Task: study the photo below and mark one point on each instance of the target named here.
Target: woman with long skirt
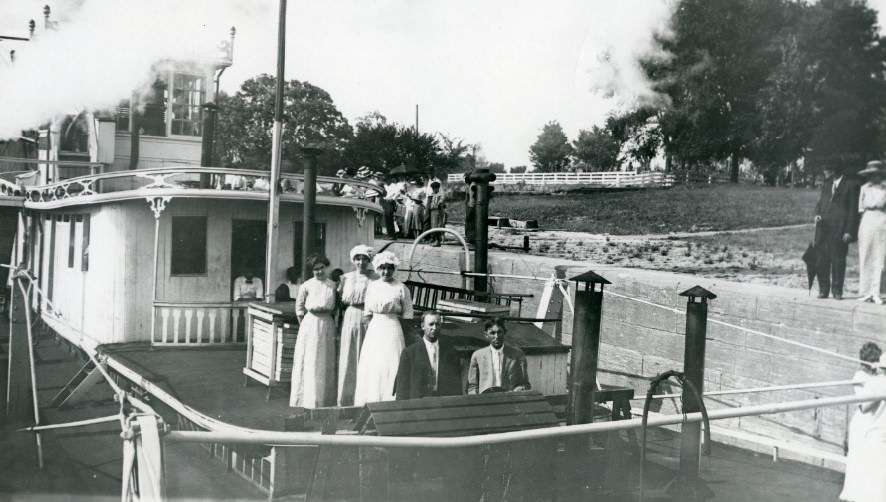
(352, 289)
(312, 364)
(855, 481)
(872, 232)
(388, 304)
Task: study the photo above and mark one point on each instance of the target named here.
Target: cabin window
(72, 232)
(187, 97)
(319, 243)
(188, 256)
(166, 110)
(84, 249)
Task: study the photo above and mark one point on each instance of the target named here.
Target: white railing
(206, 179)
(194, 323)
(604, 178)
(9, 188)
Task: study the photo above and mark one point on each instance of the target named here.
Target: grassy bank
(678, 209)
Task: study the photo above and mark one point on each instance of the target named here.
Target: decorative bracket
(360, 214)
(158, 204)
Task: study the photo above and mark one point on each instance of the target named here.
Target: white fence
(614, 179)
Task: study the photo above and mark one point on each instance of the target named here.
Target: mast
(276, 154)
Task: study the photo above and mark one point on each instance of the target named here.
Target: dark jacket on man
(415, 378)
(838, 209)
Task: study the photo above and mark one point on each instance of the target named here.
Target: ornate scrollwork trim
(158, 204)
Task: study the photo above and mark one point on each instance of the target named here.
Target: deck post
(482, 177)
(585, 347)
(310, 203)
(276, 159)
(687, 486)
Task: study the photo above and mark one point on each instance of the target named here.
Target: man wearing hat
(872, 231)
(836, 217)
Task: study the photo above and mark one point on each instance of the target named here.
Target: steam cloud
(625, 33)
(102, 50)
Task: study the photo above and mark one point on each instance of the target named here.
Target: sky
(491, 72)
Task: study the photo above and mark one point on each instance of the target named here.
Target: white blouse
(872, 196)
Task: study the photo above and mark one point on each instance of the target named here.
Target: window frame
(168, 106)
(174, 249)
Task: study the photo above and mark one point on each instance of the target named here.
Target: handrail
(301, 438)
(61, 163)
(159, 303)
(771, 388)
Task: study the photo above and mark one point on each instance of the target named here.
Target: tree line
(777, 82)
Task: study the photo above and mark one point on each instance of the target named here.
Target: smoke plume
(99, 51)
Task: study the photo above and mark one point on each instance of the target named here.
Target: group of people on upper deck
(847, 211)
(371, 311)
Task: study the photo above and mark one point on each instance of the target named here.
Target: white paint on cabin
(111, 302)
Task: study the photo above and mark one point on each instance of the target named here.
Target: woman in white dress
(312, 364)
(387, 305)
(872, 231)
(855, 480)
(352, 290)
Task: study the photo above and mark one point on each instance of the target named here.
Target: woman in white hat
(388, 303)
(872, 231)
(352, 289)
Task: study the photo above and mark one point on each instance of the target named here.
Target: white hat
(362, 249)
(385, 258)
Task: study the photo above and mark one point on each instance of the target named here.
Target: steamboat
(126, 247)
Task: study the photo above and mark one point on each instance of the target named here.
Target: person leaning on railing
(868, 483)
(854, 482)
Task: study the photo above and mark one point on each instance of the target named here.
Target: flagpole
(276, 154)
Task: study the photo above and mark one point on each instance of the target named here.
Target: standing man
(836, 219)
(499, 367)
(429, 367)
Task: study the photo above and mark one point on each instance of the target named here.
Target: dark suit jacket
(513, 370)
(415, 378)
(839, 212)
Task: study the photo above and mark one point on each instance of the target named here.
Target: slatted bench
(458, 415)
(425, 296)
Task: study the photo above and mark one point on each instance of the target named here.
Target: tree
(597, 149)
(246, 119)
(551, 151)
(517, 169)
(496, 167)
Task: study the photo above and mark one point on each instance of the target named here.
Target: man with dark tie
(248, 287)
(498, 367)
(836, 219)
(429, 367)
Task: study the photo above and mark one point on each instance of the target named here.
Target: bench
(425, 296)
(458, 415)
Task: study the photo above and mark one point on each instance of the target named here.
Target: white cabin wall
(155, 151)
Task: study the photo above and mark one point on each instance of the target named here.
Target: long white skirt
(379, 358)
(312, 362)
(871, 251)
(856, 481)
(352, 331)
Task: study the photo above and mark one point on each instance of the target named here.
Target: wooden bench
(458, 415)
(425, 296)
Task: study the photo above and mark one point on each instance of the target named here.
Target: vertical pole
(585, 349)
(12, 347)
(693, 368)
(31, 361)
(310, 203)
(482, 177)
(154, 277)
(687, 485)
(276, 153)
(209, 114)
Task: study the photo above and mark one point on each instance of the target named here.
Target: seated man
(498, 366)
(429, 367)
(248, 287)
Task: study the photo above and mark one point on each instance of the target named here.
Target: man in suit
(836, 219)
(429, 367)
(498, 366)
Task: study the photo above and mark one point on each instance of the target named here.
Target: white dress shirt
(497, 356)
(434, 357)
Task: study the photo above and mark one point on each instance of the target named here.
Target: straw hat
(873, 167)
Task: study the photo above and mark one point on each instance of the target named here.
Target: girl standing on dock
(388, 304)
(312, 364)
(353, 292)
(872, 232)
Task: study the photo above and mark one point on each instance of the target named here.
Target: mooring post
(585, 347)
(688, 486)
(482, 177)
